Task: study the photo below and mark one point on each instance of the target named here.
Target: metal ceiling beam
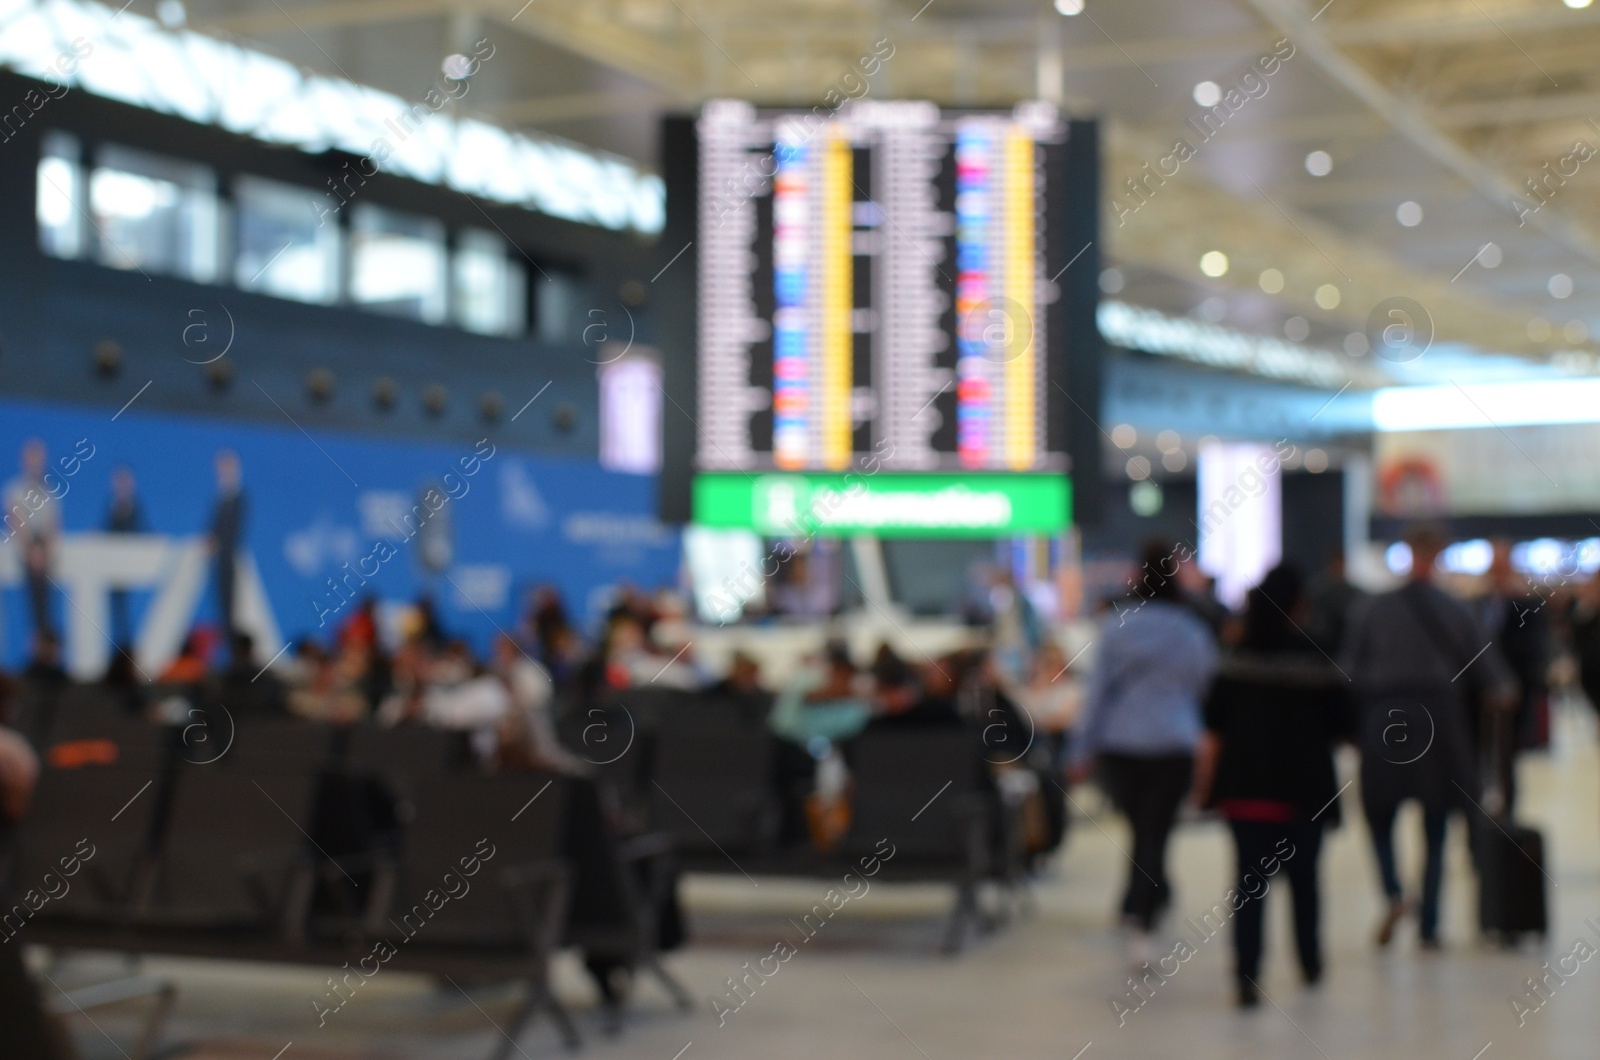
(1187, 216)
(1455, 23)
(1413, 121)
(1523, 110)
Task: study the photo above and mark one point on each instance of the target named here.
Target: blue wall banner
(329, 517)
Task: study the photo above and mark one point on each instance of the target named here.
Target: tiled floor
(872, 984)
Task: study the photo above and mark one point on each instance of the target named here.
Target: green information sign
(797, 504)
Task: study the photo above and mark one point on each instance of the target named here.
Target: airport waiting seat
(272, 745)
(86, 845)
(92, 726)
(623, 908)
(712, 786)
(407, 756)
(235, 856)
(926, 792)
(481, 887)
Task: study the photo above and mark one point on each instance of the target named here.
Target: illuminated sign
(894, 505)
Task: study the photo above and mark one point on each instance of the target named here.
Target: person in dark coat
(1423, 667)
(1266, 764)
(227, 533)
(1520, 625)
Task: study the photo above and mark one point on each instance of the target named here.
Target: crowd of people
(1183, 699)
(1242, 714)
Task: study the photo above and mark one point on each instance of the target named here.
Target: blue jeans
(1380, 820)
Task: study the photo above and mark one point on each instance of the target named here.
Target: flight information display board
(876, 291)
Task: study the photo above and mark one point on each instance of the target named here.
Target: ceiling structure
(1453, 106)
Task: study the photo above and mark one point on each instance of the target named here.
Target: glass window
(557, 299)
(154, 214)
(489, 285)
(59, 198)
(397, 264)
(288, 245)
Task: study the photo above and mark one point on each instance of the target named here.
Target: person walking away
(1517, 620)
(1422, 666)
(1266, 764)
(1141, 724)
(227, 532)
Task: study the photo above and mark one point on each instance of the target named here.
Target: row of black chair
(308, 844)
(712, 775)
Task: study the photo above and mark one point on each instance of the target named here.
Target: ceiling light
(457, 67)
(1175, 460)
(1527, 403)
(1207, 94)
(171, 13)
(1328, 296)
(1111, 281)
(1214, 263)
(1576, 4)
(1123, 435)
(1297, 329)
(1167, 441)
(1319, 163)
(1490, 256)
(1139, 468)
(1316, 461)
(1409, 214)
(1070, 7)
(1271, 281)
(1560, 285)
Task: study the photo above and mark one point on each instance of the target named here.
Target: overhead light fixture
(1214, 263)
(458, 67)
(1207, 94)
(1328, 296)
(1490, 256)
(1560, 286)
(1577, 4)
(1409, 214)
(1529, 403)
(1069, 7)
(1319, 163)
(1297, 329)
(1112, 281)
(1271, 281)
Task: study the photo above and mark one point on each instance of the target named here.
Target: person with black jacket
(1273, 716)
(1423, 668)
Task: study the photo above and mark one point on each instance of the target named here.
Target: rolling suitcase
(1510, 856)
(1511, 899)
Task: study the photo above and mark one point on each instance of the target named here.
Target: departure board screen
(876, 286)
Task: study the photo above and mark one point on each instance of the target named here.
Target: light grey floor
(872, 985)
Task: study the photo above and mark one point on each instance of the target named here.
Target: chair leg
(558, 1012)
(680, 993)
(165, 999)
(965, 907)
(538, 997)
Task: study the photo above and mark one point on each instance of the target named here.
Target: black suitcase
(1511, 899)
(1510, 856)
